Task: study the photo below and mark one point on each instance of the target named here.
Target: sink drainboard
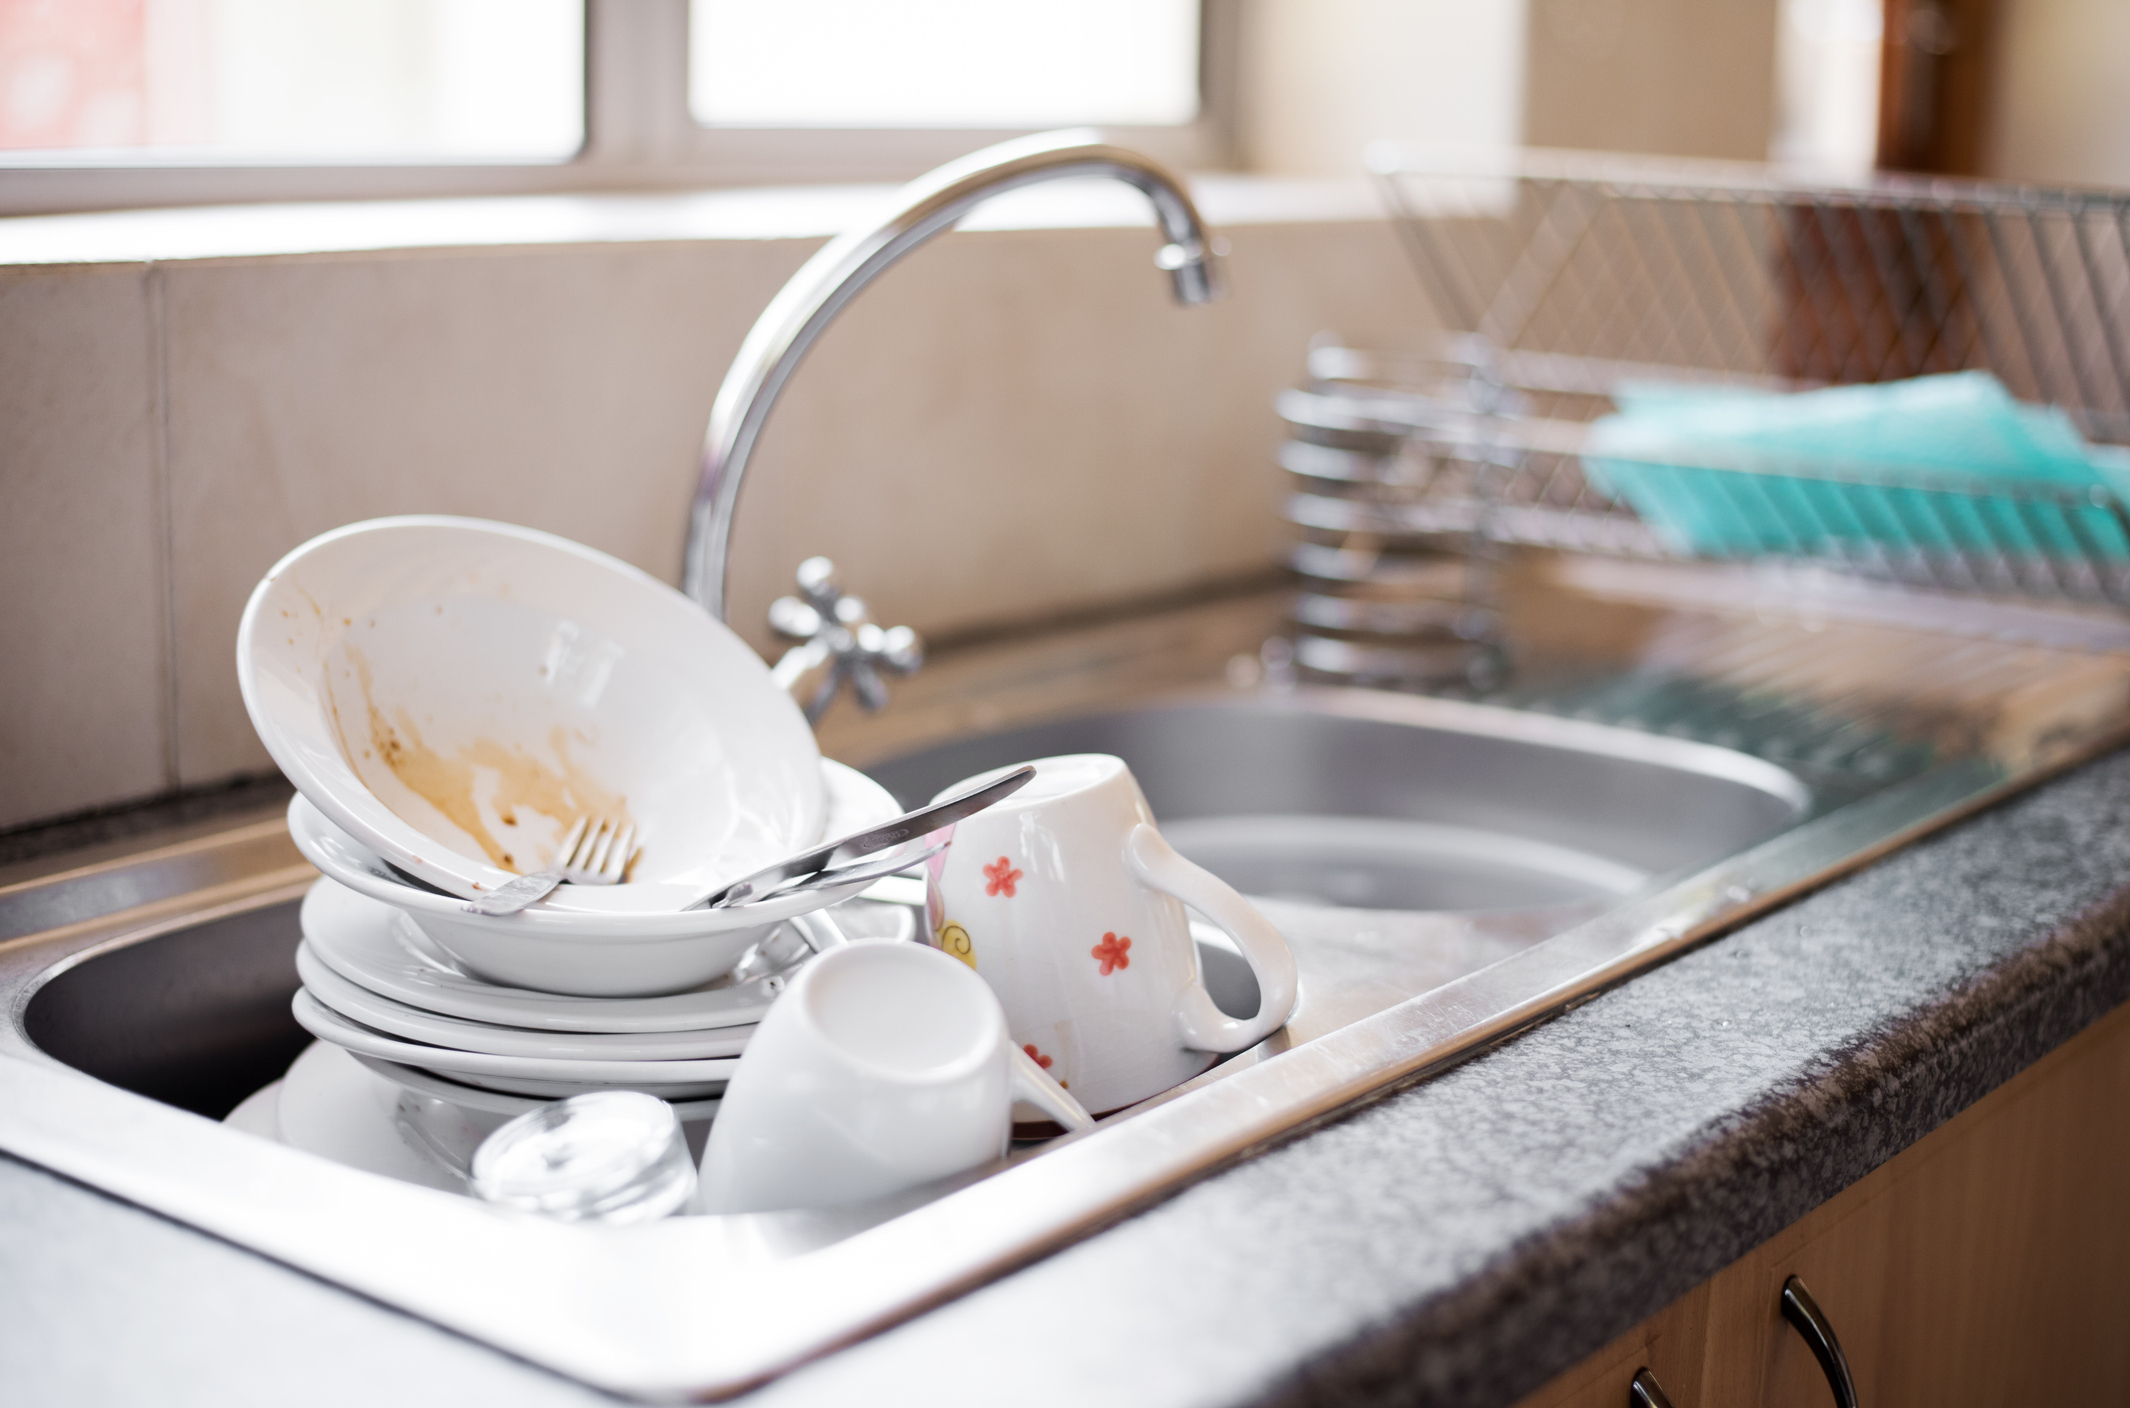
(1561, 856)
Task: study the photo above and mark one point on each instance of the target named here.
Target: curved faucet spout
(809, 303)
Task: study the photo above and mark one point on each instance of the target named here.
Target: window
(942, 63)
(153, 102)
(342, 80)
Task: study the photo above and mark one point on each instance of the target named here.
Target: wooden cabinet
(1988, 1264)
(1751, 1356)
(1669, 1343)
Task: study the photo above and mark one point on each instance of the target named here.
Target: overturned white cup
(882, 1067)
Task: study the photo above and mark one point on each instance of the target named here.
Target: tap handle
(794, 619)
(901, 650)
(839, 644)
(817, 584)
(819, 602)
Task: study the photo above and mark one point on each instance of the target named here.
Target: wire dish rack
(1561, 278)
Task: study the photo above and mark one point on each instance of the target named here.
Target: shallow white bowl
(453, 693)
(551, 949)
(381, 948)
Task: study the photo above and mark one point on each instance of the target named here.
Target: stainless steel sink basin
(1465, 833)
(1384, 801)
(197, 1018)
(1448, 873)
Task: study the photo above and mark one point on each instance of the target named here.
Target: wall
(2060, 109)
(1320, 79)
(1015, 422)
(1323, 78)
(1673, 77)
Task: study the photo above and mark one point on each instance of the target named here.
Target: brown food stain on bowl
(524, 783)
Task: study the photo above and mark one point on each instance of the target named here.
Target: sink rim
(624, 1310)
(1514, 726)
(1426, 711)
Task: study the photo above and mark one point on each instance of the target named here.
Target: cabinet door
(2008, 1267)
(1754, 1358)
(1668, 1344)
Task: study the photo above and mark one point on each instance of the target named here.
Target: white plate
(587, 955)
(378, 947)
(330, 1106)
(693, 1113)
(359, 1004)
(260, 1113)
(452, 692)
(327, 1025)
(562, 1089)
(393, 1120)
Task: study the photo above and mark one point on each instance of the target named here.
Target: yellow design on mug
(954, 940)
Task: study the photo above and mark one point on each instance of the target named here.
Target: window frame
(639, 135)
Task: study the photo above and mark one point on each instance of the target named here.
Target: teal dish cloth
(1934, 464)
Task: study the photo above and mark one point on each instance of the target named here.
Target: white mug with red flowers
(1065, 899)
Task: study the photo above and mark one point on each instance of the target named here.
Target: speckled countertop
(1457, 1242)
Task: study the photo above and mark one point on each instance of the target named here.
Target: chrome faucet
(805, 307)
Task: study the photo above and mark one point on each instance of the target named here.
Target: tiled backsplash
(1012, 423)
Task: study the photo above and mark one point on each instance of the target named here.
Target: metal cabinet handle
(1646, 1392)
(1810, 1321)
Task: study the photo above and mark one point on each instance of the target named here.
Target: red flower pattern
(1038, 1057)
(999, 877)
(1113, 953)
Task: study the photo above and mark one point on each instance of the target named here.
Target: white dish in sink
(694, 1113)
(392, 1120)
(372, 944)
(680, 1077)
(332, 1107)
(358, 1004)
(453, 693)
(561, 951)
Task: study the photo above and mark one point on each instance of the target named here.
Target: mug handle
(1204, 1026)
(1041, 1089)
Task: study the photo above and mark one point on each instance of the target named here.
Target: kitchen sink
(1329, 800)
(1447, 873)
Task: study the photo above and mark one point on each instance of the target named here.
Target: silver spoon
(837, 855)
(875, 869)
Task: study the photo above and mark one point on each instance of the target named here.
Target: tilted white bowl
(452, 693)
(558, 950)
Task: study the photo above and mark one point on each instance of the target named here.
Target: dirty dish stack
(378, 983)
(450, 695)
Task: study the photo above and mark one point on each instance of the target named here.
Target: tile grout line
(159, 373)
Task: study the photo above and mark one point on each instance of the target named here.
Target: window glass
(343, 80)
(943, 63)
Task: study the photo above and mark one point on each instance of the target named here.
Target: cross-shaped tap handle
(839, 644)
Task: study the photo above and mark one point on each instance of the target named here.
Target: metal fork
(596, 851)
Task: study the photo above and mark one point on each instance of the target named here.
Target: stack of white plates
(384, 979)
(375, 986)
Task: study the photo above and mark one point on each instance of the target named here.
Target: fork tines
(596, 852)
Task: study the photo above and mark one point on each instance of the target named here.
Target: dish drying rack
(1557, 277)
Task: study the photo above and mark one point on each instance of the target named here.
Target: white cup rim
(1056, 779)
(991, 1020)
